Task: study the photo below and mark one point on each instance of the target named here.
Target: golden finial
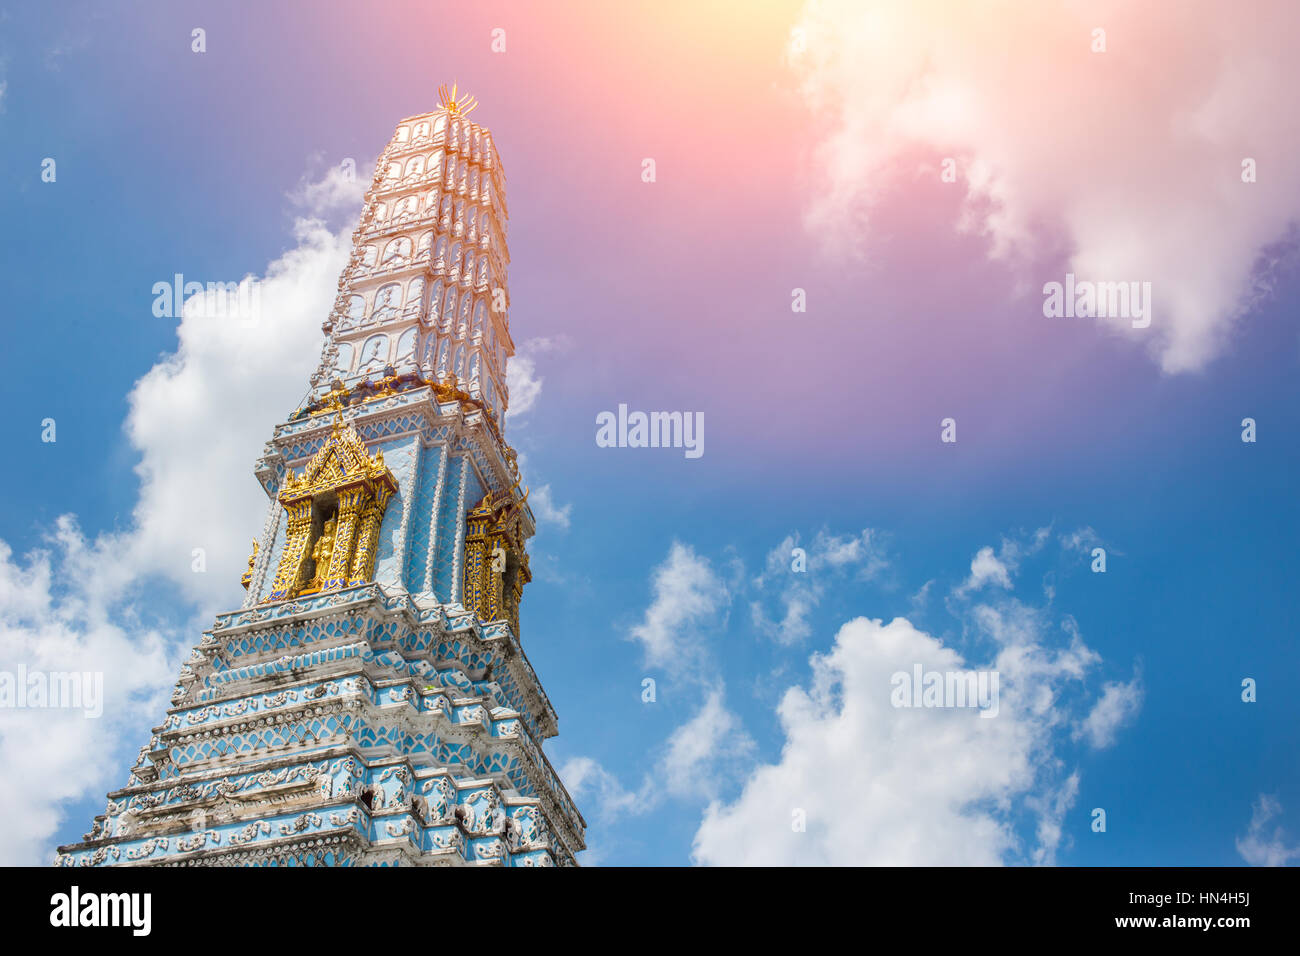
(453, 104)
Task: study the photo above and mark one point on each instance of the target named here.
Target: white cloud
(1051, 808)
(1081, 539)
(547, 344)
(523, 383)
(828, 558)
(544, 506)
(794, 626)
(922, 597)
(585, 778)
(1261, 848)
(1035, 122)
(712, 747)
(946, 786)
(827, 551)
(987, 568)
(706, 751)
(687, 596)
(838, 551)
(1118, 705)
(341, 188)
(58, 614)
(522, 380)
(895, 786)
(200, 417)
(542, 500)
(699, 757)
(1017, 630)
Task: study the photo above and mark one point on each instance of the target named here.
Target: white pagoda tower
(371, 702)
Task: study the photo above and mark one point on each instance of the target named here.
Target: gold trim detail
(335, 509)
(247, 577)
(448, 390)
(496, 564)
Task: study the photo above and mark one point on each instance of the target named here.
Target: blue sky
(822, 431)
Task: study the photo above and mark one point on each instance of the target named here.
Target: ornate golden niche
(334, 508)
(496, 564)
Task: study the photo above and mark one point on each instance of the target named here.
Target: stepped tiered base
(361, 727)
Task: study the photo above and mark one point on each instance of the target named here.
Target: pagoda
(370, 703)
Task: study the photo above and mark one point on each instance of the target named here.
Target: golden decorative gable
(335, 509)
(496, 564)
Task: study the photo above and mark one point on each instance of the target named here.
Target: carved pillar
(352, 503)
(363, 562)
(478, 569)
(289, 577)
(521, 577)
(497, 563)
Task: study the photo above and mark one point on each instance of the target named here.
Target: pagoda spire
(371, 701)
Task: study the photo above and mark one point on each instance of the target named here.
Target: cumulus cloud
(687, 596)
(200, 417)
(1132, 157)
(61, 612)
(946, 786)
(1260, 847)
(198, 420)
(939, 786)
